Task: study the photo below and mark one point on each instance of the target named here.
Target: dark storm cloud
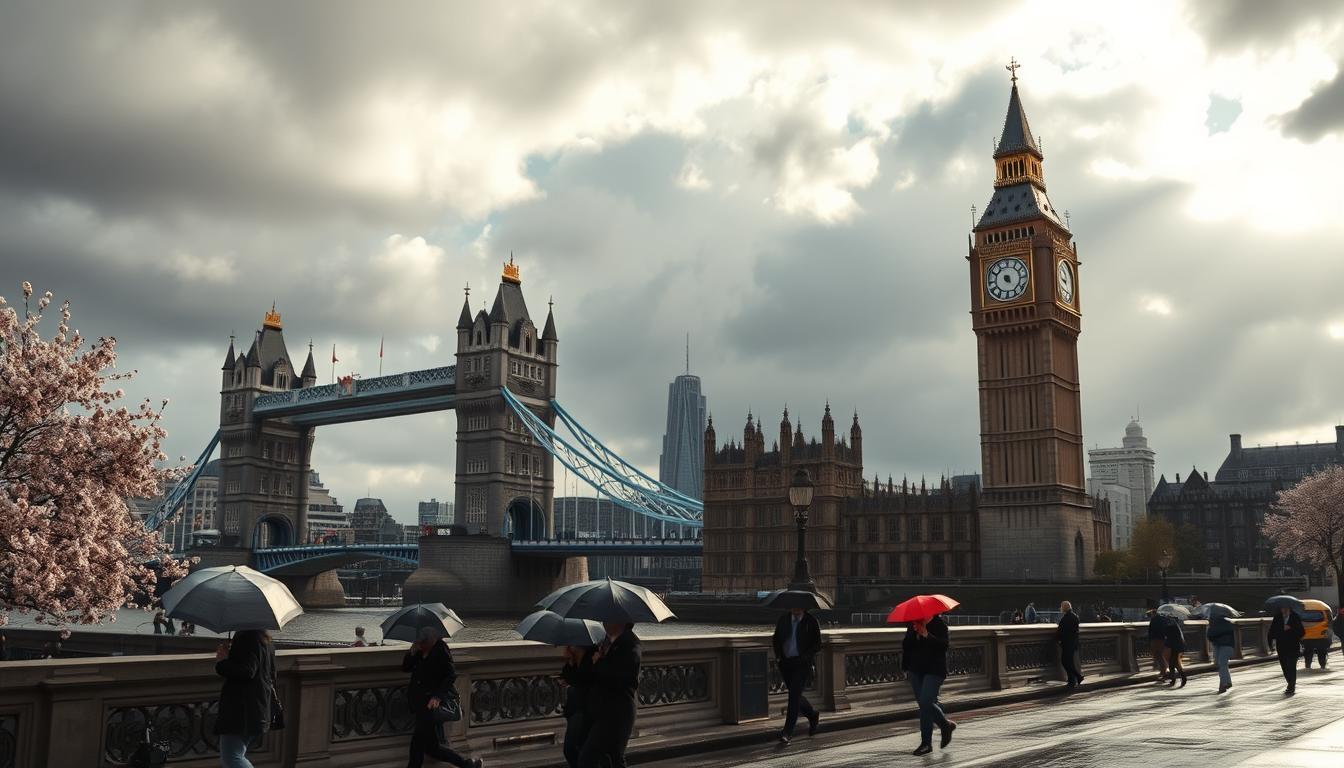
(1234, 24)
(1321, 113)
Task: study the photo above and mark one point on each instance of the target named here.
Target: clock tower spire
(1026, 314)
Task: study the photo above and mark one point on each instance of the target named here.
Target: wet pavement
(1147, 725)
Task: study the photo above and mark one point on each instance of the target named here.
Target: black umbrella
(1280, 601)
(407, 623)
(798, 598)
(607, 600)
(553, 629)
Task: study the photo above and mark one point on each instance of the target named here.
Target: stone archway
(526, 520)
(272, 531)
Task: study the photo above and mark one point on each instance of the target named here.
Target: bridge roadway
(1254, 724)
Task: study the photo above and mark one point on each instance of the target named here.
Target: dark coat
(1157, 627)
(613, 681)
(809, 635)
(1221, 632)
(577, 680)
(1174, 637)
(432, 676)
(1067, 631)
(926, 655)
(1288, 640)
(249, 677)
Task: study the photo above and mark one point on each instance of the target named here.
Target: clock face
(1066, 282)
(1006, 279)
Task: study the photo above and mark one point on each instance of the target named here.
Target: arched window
(527, 341)
(478, 337)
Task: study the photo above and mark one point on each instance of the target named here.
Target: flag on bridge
(380, 355)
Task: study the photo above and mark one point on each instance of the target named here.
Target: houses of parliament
(1027, 515)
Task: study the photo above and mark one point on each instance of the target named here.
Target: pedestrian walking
(1157, 646)
(1067, 635)
(613, 684)
(4, 647)
(360, 642)
(432, 684)
(247, 664)
(160, 623)
(576, 675)
(1017, 617)
(1029, 615)
(1174, 640)
(924, 659)
(797, 640)
(1285, 637)
(1223, 637)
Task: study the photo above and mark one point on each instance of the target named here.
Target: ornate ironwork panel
(275, 398)
(318, 393)
(673, 684)
(362, 713)
(515, 698)
(1024, 656)
(966, 661)
(187, 727)
(873, 668)
(380, 384)
(777, 680)
(1097, 651)
(9, 740)
(431, 375)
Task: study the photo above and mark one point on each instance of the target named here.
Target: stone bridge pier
(480, 575)
(320, 589)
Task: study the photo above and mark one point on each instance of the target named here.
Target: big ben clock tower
(1036, 520)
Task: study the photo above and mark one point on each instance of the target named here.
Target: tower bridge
(510, 429)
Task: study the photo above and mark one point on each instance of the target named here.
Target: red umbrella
(921, 608)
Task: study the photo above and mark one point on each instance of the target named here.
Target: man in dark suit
(1067, 635)
(1285, 635)
(797, 641)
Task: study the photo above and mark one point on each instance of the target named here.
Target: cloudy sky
(789, 183)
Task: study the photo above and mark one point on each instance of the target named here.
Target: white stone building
(1131, 468)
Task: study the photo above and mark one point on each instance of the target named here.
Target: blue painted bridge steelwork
(400, 394)
(284, 561)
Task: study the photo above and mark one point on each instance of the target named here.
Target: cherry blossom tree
(1307, 523)
(70, 456)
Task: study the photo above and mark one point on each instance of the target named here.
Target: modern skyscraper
(434, 513)
(682, 464)
(1129, 467)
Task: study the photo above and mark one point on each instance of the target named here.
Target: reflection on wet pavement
(1138, 725)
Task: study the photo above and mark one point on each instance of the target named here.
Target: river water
(338, 625)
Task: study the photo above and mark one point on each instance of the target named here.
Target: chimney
(1236, 442)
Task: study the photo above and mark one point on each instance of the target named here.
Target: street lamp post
(1165, 562)
(800, 497)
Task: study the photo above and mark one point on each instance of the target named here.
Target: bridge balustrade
(347, 706)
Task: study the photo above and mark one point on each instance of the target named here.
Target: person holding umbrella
(247, 664)
(1285, 636)
(1067, 635)
(1173, 639)
(797, 640)
(1157, 633)
(924, 659)
(577, 640)
(1223, 637)
(432, 684)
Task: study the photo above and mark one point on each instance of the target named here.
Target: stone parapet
(346, 707)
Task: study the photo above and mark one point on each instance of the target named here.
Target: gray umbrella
(407, 623)
(798, 598)
(230, 598)
(607, 600)
(1279, 601)
(551, 628)
(1174, 610)
(1214, 610)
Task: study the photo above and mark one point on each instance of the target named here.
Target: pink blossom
(70, 457)
(1307, 523)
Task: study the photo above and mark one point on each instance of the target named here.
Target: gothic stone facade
(856, 531)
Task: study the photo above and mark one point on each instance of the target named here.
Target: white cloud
(1155, 304)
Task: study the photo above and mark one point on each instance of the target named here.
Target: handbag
(277, 710)
(449, 709)
(149, 753)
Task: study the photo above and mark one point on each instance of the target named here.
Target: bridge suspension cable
(182, 490)
(607, 472)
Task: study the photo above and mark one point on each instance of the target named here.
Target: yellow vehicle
(1316, 621)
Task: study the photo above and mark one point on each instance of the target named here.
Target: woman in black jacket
(924, 659)
(247, 664)
(432, 679)
(1174, 640)
(1285, 636)
(613, 686)
(576, 675)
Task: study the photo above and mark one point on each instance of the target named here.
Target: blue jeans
(1223, 654)
(926, 694)
(233, 750)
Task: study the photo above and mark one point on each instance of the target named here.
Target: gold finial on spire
(272, 319)
(511, 272)
(1012, 68)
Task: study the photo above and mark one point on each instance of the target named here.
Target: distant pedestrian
(1067, 635)
(611, 697)
(4, 647)
(188, 629)
(1174, 640)
(577, 676)
(1029, 615)
(160, 623)
(797, 640)
(1157, 645)
(1223, 636)
(247, 664)
(1017, 617)
(432, 683)
(1285, 637)
(924, 659)
(360, 642)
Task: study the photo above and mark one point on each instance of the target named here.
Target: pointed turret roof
(1016, 131)
(499, 313)
(309, 369)
(228, 358)
(464, 320)
(548, 333)
(252, 359)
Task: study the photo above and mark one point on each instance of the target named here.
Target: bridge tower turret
(505, 481)
(264, 464)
